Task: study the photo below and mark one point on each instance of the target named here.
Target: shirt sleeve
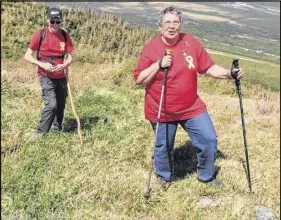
(34, 44)
(204, 59)
(69, 45)
(143, 63)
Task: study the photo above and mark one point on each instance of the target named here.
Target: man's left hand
(59, 67)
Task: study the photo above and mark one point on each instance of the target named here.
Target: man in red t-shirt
(53, 59)
(181, 103)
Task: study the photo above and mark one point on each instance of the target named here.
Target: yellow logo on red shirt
(189, 60)
(62, 46)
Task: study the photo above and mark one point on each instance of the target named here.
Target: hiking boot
(56, 129)
(164, 183)
(215, 183)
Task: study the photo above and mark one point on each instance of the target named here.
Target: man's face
(55, 22)
(170, 26)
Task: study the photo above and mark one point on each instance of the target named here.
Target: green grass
(215, 40)
(263, 74)
(55, 177)
(105, 178)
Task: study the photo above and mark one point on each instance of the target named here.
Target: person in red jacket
(53, 59)
(181, 103)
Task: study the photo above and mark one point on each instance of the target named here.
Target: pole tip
(147, 196)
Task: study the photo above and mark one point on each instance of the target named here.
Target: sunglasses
(57, 22)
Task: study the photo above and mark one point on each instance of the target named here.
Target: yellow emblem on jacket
(62, 46)
(189, 60)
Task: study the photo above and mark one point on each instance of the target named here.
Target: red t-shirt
(52, 45)
(180, 100)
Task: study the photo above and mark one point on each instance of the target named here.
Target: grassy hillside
(221, 26)
(54, 177)
(98, 39)
(222, 38)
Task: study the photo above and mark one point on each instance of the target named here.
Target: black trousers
(54, 93)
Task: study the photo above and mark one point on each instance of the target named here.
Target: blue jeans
(203, 136)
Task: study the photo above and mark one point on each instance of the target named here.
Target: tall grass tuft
(266, 104)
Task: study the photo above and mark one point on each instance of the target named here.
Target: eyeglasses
(168, 23)
(57, 22)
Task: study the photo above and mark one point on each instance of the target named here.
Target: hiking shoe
(215, 183)
(164, 183)
(56, 129)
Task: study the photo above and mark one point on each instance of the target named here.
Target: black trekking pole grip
(165, 76)
(235, 64)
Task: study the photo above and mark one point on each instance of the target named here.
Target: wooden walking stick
(73, 109)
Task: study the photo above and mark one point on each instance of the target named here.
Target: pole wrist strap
(160, 64)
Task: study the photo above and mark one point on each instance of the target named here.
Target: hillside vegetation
(99, 39)
(222, 38)
(54, 177)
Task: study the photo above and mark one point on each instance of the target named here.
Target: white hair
(169, 10)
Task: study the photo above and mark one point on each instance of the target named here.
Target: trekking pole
(74, 111)
(235, 64)
(147, 192)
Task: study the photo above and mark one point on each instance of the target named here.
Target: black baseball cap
(54, 13)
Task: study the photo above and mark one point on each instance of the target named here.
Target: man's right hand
(166, 61)
(46, 66)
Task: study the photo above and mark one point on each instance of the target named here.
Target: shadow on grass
(185, 160)
(86, 123)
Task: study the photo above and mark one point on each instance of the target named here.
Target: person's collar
(167, 43)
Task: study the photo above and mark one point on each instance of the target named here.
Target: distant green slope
(101, 39)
